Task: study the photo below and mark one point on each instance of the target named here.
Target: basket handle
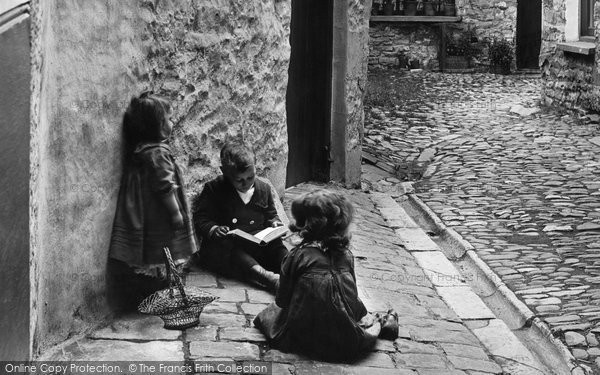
(174, 277)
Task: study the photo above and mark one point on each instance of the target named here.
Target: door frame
(520, 22)
(309, 94)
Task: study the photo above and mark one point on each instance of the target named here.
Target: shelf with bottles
(414, 11)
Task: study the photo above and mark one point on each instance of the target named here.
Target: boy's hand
(277, 224)
(221, 231)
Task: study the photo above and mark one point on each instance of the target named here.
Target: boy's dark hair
(237, 156)
(323, 216)
(145, 119)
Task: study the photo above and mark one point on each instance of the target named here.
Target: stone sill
(582, 48)
(427, 19)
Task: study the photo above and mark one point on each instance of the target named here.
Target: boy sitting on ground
(237, 200)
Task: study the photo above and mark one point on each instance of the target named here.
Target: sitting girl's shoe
(389, 326)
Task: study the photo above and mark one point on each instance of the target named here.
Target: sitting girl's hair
(237, 156)
(146, 119)
(323, 216)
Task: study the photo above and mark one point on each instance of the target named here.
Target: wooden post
(442, 47)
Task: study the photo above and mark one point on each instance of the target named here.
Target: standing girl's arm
(163, 170)
(170, 201)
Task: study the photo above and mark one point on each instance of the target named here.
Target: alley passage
(520, 183)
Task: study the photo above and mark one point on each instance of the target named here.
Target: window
(587, 19)
(579, 27)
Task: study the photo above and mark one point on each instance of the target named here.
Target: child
(317, 310)
(237, 200)
(152, 211)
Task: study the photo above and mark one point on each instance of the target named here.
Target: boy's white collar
(247, 195)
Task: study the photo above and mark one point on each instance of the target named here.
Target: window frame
(586, 23)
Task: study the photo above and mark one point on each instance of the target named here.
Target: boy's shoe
(389, 326)
(265, 278)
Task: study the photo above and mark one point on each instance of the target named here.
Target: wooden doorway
(14, 180)
(529, 33)
(308, 100)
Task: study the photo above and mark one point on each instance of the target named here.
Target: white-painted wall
(573, 20)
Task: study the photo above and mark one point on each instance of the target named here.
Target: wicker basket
(178, 306)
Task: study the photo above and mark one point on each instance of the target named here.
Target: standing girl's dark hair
(323, 216)
(146, 120)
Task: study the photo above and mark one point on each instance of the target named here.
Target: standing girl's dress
(317, 307)
(142, 225)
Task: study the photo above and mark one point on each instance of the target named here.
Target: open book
(261, 238)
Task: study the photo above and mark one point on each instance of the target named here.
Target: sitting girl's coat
(317, 307)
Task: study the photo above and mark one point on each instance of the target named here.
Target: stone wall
(568, 79)
(419, 42)
(223, 63)
(350, 58)
(357, 49)
(393, 44)
(491, 18)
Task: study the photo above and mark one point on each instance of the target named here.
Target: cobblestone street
(393, 263)
(520, 183)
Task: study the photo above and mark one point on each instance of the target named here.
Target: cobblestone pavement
(520, 183)
(432, 340)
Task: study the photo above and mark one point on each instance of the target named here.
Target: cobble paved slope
(432, 339)
(522, 187)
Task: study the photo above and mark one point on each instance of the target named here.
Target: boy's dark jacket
(220, 204)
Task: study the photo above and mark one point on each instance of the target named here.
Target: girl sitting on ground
(317, 311)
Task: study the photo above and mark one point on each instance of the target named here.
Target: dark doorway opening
(308, 101)
(14, 183)
(529, 33)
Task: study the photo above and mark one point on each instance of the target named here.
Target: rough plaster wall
(569, 80)
(224, 65)
(356, 80)
(88, 50)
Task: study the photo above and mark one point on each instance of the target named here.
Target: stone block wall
(568, 79)
(223, 63)
(390, 43)
(491, 18)
(420, 42)
(357, 53)
(350, 58)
